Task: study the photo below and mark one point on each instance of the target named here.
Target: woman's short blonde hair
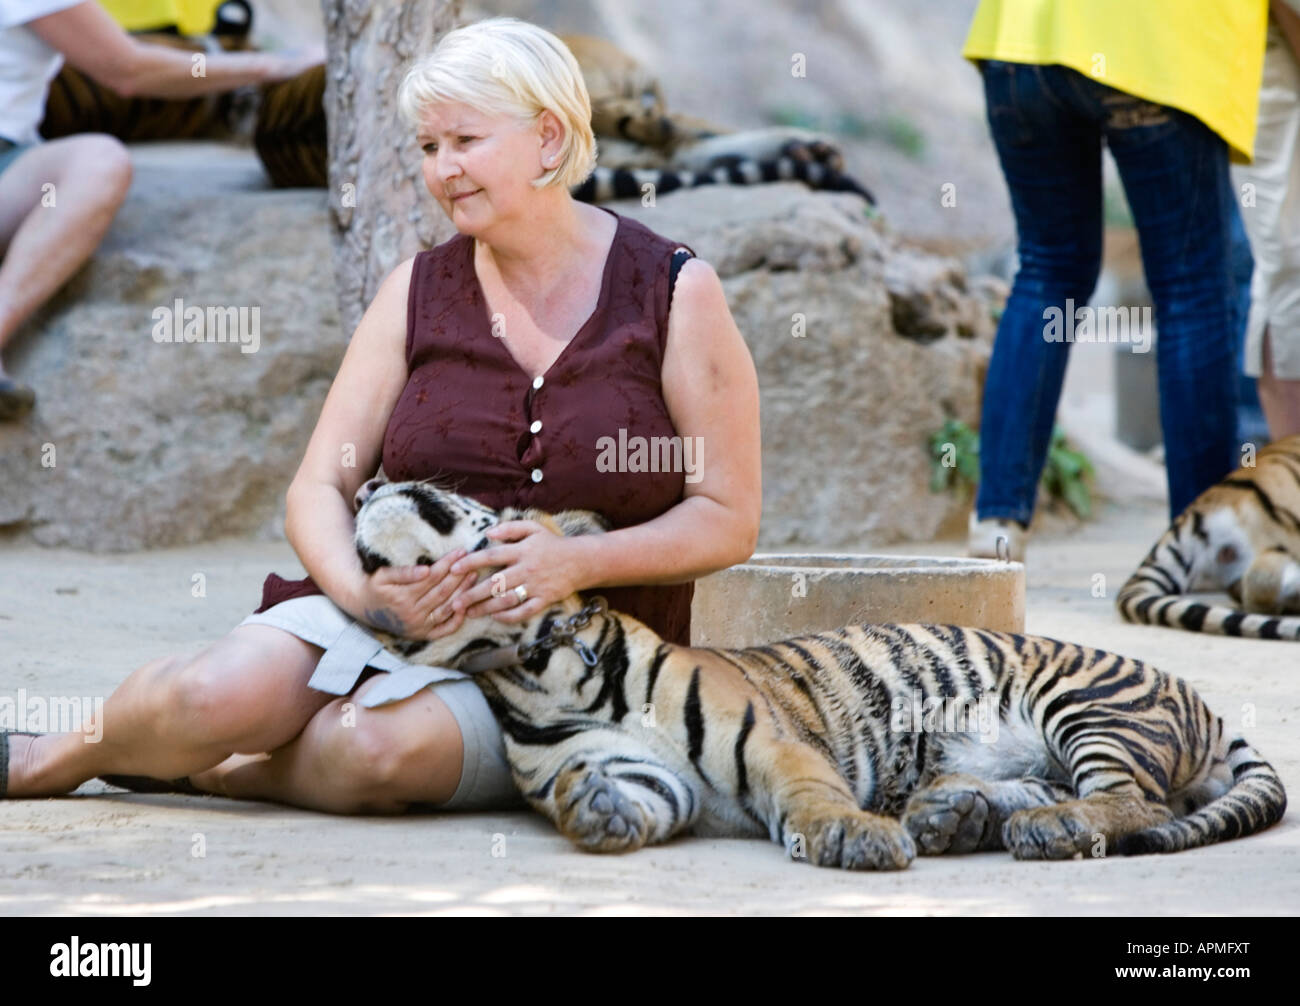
(503, 66)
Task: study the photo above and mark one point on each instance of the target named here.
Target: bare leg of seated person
(178, 716)
(1280, 398)
(57, 201)
(350, 759)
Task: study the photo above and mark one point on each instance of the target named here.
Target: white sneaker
(984, 534)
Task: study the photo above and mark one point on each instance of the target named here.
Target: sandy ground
(72, 623)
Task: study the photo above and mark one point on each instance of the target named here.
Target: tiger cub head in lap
(1241, 536)
(856, 748)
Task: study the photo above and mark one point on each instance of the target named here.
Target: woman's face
(478, 167)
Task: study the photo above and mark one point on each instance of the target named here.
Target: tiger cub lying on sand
(1241, 536)
(801, 740)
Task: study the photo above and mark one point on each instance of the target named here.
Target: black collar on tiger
(554, 635)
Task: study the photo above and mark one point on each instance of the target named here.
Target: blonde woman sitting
(496, 360)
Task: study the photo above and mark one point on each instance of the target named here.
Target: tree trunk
(382, 212)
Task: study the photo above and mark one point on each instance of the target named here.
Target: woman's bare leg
(351, 760)
(1280, 398)
(245, 693)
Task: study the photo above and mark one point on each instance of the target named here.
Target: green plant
(1115, 209)
(791, 115)
(895, 130)
(1067, 474)
(955, 465)
(900, 134)
(954, 458)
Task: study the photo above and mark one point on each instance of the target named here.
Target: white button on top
(537, 475)
(537, 382)
(537, 425)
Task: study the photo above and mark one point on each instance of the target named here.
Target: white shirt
(27, 65)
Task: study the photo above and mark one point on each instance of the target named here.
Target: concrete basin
(774, 596)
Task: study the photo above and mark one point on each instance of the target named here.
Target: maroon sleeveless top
(472, 418)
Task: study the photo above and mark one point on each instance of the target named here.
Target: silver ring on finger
(521, 592)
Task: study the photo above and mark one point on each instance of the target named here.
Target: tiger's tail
(1151, 596)
(1255, 801)
(605, 184)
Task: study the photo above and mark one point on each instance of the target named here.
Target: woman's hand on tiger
(547, 565)
(414, 602)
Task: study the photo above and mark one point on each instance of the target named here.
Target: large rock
(160, 444)
(894, 342)
(137, 443)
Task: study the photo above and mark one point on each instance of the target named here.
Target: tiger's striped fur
(1241, 536)
(813, 742)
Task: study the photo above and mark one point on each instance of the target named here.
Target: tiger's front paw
(850, 840)
(596, 814)
(1061, 831)
(952, 814)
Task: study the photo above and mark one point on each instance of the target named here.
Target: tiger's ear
(368, 489)
(577, 522)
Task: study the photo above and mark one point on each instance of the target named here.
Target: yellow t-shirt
(191, 17)
(1204, 57)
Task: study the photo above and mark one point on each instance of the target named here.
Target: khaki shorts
(485, 780)
(1273, 222)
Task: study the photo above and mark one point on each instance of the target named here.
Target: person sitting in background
(1152, 81)
(57, 198)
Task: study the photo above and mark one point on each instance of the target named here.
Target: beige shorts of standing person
(1269, 190)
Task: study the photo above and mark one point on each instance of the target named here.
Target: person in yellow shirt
(1171, 86)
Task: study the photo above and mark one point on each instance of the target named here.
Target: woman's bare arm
(92, 42)
(711, 390)
(345, 446)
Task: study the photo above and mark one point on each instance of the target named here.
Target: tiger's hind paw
(951, 815)
(1079, 827)
(597, 815)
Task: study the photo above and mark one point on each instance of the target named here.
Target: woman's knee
(232, 692)
(385, 758)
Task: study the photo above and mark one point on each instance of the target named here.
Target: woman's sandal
(4, 757)
(148, 784)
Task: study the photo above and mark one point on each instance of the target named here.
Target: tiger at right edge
(1241, 536)
(856, 747)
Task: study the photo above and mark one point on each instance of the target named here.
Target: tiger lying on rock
(1241, 536)
(640, 142)
(811, 741)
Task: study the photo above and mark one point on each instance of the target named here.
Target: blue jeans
(1252, 427)
(1048, 123)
